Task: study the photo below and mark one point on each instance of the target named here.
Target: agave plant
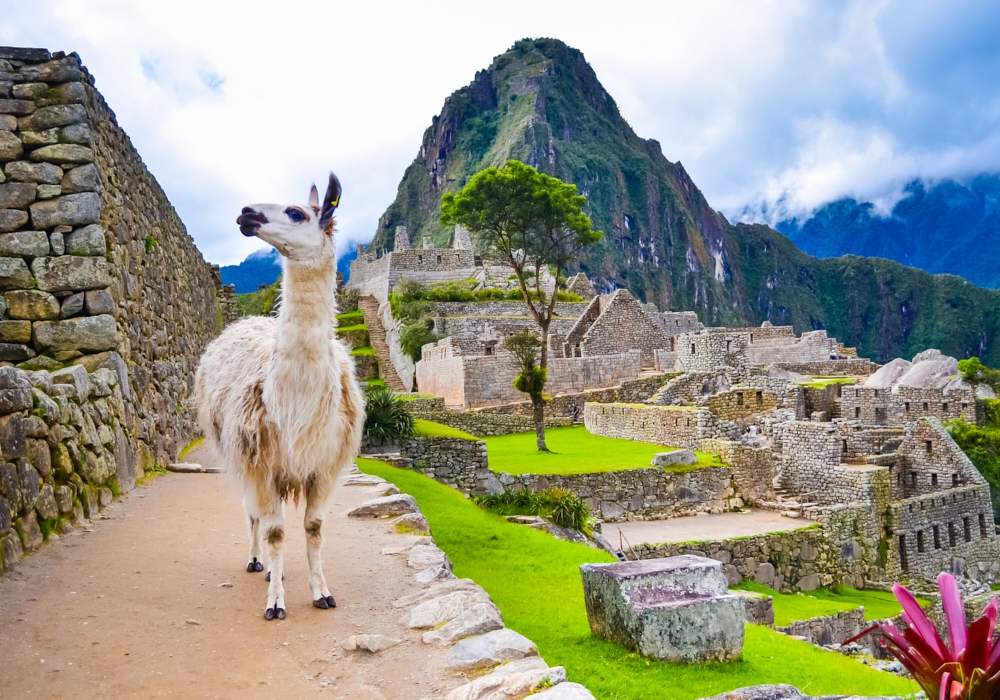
(386, 416)
(968, 668)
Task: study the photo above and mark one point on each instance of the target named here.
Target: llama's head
(297, 232)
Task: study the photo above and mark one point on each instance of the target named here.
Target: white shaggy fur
(278, 397)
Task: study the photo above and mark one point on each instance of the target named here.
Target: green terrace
(534, 579)
(823, 382)
(574, 450)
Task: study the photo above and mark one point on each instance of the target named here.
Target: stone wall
(794, 560)
(378, 276)
(848, 367)
(484, 424)
(752, 468)
(741, 402)
(485, 380)
(813, 346)
(66, 451)
(830, 629)
(638, 494)
(462, 464)
(713, 349)
(674, 426)
(97, 258)
(567, 309)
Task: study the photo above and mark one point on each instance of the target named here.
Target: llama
(278, 397)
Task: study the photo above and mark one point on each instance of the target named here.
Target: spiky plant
(386, 416)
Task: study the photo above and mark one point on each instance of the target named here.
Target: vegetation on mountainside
(562, 507)
(534, 579)
(542, 104)
(260, 303)
(931, 227)
(574, 450)
(532, 221)
(386, 417)
(414, 337)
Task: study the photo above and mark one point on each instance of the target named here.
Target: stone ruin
(106, 304)
(677, 609)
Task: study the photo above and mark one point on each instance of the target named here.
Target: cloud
(780, 105)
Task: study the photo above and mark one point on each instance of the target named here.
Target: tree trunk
(538, 413)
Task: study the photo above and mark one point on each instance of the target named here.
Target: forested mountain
(947, 227)
(541, 103)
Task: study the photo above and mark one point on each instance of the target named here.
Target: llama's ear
(314, 198)
(330, 201)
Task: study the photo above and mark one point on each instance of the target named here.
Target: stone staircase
(789, 505)
(376, 334)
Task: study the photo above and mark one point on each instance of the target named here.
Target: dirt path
(141, 607)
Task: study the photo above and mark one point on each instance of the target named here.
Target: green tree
(975, 372)
(414, 337)
(531, 220)
(530, 378)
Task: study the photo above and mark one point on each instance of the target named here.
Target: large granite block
(674, 609)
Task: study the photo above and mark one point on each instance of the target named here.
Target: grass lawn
(535, 580)
(414, 397)
(576, 451)
(788, 608)
(364, 350)
(428, 428)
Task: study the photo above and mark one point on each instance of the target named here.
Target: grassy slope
(428, 428)
(788, 608)
(535, 581)
(576, 451)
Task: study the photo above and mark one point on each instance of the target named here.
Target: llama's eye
(294, 215)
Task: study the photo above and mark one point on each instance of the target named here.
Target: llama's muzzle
(250, 221)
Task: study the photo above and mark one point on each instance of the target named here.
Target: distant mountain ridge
(541, 103)
(946, 228)
(260, 267)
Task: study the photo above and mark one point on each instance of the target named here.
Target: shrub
(386, 416)
(414, 336)
(562, 507)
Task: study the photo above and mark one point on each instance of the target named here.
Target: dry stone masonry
(106, 302)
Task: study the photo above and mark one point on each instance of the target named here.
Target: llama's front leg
(273, 526)
(256, 562)
(316, 498)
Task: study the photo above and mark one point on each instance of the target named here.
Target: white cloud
(775, 103)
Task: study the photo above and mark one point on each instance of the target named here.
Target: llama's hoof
(325, 603)
(272, 613)
(331, 602)
(254, 566)
(280, 613)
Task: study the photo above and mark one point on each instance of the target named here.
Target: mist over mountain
(945, 228)
(541, 103)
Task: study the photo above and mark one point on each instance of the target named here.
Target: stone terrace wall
(794, 560)
(639, 494)
(112, 267)
(752, 468)
(484, 424)
(831, 629)
(674, 426)
(461, 464)
(830, 368)
(65, 452)
(569, 309)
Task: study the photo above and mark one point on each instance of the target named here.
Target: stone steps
(376, 334)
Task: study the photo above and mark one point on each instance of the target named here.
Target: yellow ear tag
(334, 202)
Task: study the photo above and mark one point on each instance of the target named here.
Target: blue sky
(773, 107)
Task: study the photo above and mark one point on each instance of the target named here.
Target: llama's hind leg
(272, 525)
(316, 498)
(256, 560)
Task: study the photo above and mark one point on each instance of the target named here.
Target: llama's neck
(306, 317)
